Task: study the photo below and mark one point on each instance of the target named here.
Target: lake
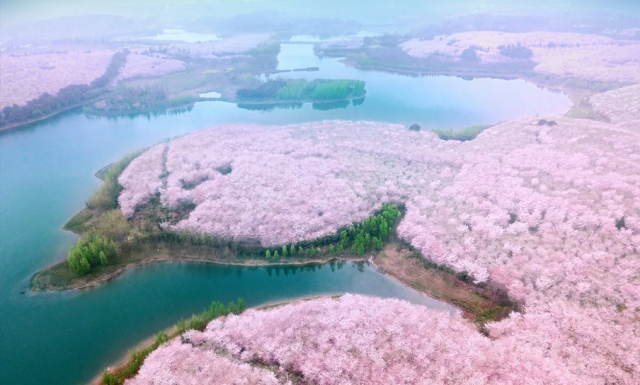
(46, 175)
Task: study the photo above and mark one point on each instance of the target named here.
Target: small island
(288, 91)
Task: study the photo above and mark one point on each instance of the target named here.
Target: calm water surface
(46, 175)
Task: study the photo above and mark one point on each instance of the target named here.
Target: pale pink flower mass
(550, 213)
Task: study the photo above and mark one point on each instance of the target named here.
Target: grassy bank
(129, 369)
(479, 303)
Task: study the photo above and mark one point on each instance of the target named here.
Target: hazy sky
(15, 12)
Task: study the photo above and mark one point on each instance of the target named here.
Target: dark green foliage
(117, 61)
(414, 127)
(89, 253)
(106, 198)
(109, 378)
(515, 51)
(302, 89)
(371, 234)
(266, 90)
(358, 238)
(462, 135)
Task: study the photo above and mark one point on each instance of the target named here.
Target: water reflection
(318, 106)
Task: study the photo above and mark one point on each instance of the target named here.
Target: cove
(46, 175)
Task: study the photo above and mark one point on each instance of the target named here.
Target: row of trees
(302, 89)
(47, 104)
(515, 51)
(91, 252)
(321, 89)
(359, 238)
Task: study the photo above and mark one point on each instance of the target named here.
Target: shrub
(113, 225)
(91, 252)
(469, 55)
(516, 51)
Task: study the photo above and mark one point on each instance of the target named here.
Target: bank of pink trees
(23, 78)
(584, 56)
(362, 340)
(138, 65)
(178, 363)
(550, 213)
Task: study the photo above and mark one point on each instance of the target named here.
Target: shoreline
(120, 270)
(303, 101)
(40, 119)
(96, 380)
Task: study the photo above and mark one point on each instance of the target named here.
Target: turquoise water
(46, 174)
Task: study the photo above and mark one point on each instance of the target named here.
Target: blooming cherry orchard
(148, 66)
(551, 213)
(585, 56)
(621, 106)
(219, 49)
(23, 78)
(354, 340)
(178, 363)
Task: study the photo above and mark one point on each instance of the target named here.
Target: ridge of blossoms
(550, 213)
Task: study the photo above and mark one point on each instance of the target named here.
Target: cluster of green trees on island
(125, 100)
(317, 90)
(98, 246)
(197, 322)
(91, 252)
(68, 96)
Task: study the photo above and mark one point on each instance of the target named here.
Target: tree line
(359, 238)
(302, 89)
(47, 104)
